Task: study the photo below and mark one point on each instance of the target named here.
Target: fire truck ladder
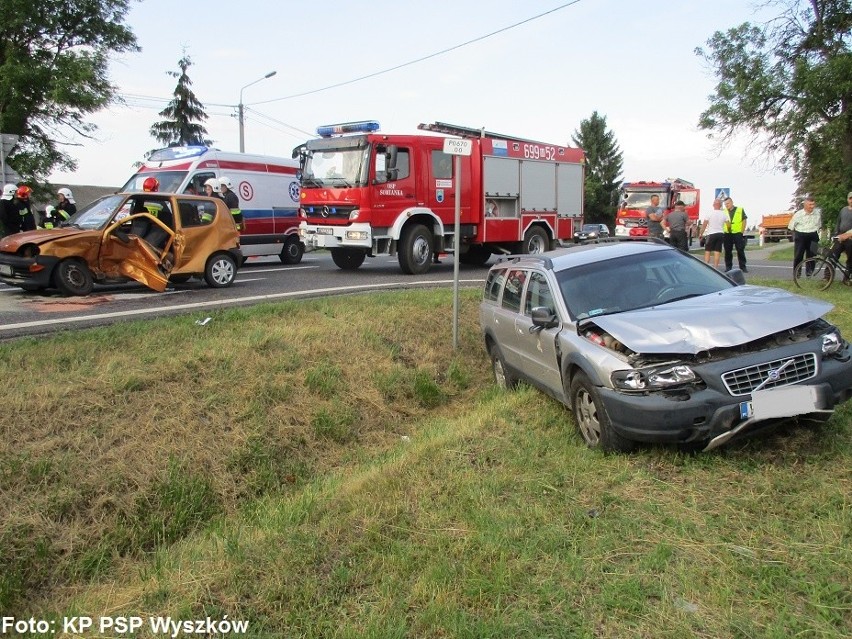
(467, 132)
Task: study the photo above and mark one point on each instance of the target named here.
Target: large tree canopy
(183, 114)
(604, 162)
(788, 83)
(53, 73)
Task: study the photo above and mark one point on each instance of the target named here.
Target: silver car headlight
(653, 378)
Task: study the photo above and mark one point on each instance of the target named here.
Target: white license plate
(788, 401)
(5, 269)
(324, 230)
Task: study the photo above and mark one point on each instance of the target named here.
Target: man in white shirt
(712, 230)
(805, 224)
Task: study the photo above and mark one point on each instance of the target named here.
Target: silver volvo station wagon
(647, 344)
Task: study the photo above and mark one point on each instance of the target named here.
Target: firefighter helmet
(23, 192)
(9, 191)
(151, 184)
(49, 209)
(213, 183)
(226, 182)
(66, 193)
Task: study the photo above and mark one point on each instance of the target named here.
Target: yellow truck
(775, 227)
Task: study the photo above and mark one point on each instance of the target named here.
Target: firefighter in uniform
(66, 207)
(50, 219)
(6, 224)
(231, 201)
(211, 188)
(23, 209)
(733, 235)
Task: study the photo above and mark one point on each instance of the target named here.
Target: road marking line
(228, 302)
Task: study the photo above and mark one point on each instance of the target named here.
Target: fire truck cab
(268, 189)
(635, 197)
(365, 194)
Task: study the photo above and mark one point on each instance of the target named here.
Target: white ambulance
(268, 188)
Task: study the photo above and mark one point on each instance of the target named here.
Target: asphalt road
(260, 280)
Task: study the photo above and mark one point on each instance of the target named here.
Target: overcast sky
(632, 62)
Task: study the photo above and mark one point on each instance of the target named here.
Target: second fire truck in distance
(635, 197)
(366, 194)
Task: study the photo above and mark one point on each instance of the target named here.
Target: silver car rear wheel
(502, 377)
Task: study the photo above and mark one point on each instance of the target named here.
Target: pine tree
(184, 113)
(604, 162)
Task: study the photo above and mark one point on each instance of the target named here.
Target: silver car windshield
(636, 281)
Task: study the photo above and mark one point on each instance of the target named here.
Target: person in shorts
(713, 232)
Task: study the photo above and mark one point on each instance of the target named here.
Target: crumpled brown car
(151, 238)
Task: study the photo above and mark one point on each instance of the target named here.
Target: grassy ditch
(333, 469)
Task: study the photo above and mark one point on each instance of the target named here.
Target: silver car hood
(721, 320)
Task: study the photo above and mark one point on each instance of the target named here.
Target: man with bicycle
(805, 224)
(843, 232)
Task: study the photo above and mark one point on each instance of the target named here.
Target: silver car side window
(513, 290)
(538, 294)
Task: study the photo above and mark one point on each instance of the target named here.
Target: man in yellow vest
(733, 235)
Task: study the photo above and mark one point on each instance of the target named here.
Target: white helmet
(226, 182)
(49, 210)
(9, 191)
(213, 183)
(66, 193)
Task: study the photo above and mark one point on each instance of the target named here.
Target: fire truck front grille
(329, 212)
(744, 380)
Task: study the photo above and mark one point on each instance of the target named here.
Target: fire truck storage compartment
(538, 186)
(569, 189)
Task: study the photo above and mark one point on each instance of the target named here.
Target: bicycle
(818, 273)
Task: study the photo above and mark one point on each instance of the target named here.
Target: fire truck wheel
(347, 259)
(536, 241)
(221, 271)
(73, 277)
(292, 251)
(415, 250)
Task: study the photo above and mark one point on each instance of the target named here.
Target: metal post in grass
(457, 147)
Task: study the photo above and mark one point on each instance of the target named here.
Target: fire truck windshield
(336, 168)
(640, 200)
(170, 181)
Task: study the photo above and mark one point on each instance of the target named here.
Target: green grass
(248, 469)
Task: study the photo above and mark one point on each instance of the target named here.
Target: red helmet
(151, 184)
(23, 192)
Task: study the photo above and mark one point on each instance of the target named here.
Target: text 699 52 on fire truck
(365, 193)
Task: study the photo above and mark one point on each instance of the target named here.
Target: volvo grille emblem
(325, 211)
(774, 375)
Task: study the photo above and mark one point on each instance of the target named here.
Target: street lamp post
(241, 110)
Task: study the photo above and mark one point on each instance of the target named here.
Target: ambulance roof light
(365, 126)
(177, 153)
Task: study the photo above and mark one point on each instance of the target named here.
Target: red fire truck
(364, 193)
(636, 197)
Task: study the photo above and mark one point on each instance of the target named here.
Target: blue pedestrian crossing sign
(722, 193)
